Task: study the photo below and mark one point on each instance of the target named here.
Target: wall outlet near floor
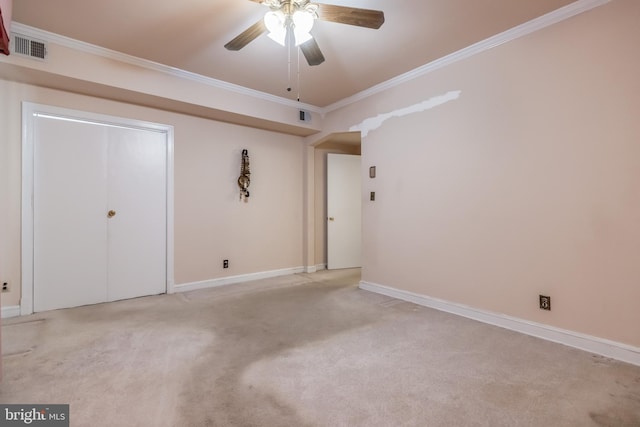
(225, 263)
(5, 287)
(545, 302)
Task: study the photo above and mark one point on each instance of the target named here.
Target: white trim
(230, 280)
(28, 170)
(603, 347)
(315, 268)
(522, 30)
(81, 46)
(29, 109)
(170, 211)
(550, 18)
(10, 311)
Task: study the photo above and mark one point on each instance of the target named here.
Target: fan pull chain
(298, 74)
(289, 47)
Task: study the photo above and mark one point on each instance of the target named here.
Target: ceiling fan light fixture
(301, 37)
(278, 36)
(275, 23)
(302, 25)
(282, 26)
(303, 20)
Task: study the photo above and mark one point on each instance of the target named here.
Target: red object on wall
(4, 37)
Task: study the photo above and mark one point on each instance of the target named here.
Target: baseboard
(320, 267)
(603, 347)
(315, 268)
(10, 311)
(230, 280)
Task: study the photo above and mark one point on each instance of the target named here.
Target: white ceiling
(190, 35)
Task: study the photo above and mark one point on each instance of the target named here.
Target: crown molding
(534, 25)
(522, 30)
(26, 30)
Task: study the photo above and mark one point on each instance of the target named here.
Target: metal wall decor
(245, 173)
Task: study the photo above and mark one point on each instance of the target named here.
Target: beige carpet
(303, 350)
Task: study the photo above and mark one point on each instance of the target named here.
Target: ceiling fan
(296, 17)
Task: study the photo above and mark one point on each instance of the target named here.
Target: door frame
(29, 111)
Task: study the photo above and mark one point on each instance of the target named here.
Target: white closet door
(70, 194)
(82, 171)
(137, 194)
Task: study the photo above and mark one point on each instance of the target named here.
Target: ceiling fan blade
(312, 52)
(247, 36)
(351, 15)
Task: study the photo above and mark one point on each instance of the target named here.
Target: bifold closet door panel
(137, 194)
(70, 213)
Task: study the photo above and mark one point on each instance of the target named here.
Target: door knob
(331, 218)
(111, 214)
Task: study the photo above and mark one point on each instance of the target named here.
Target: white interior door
(83, 170)
(344, 207)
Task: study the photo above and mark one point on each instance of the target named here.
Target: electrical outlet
(5, 287)
(545, 302)
(225, 263)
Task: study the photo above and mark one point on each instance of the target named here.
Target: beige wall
(261, 235)
(526, 184)
(211, 224)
